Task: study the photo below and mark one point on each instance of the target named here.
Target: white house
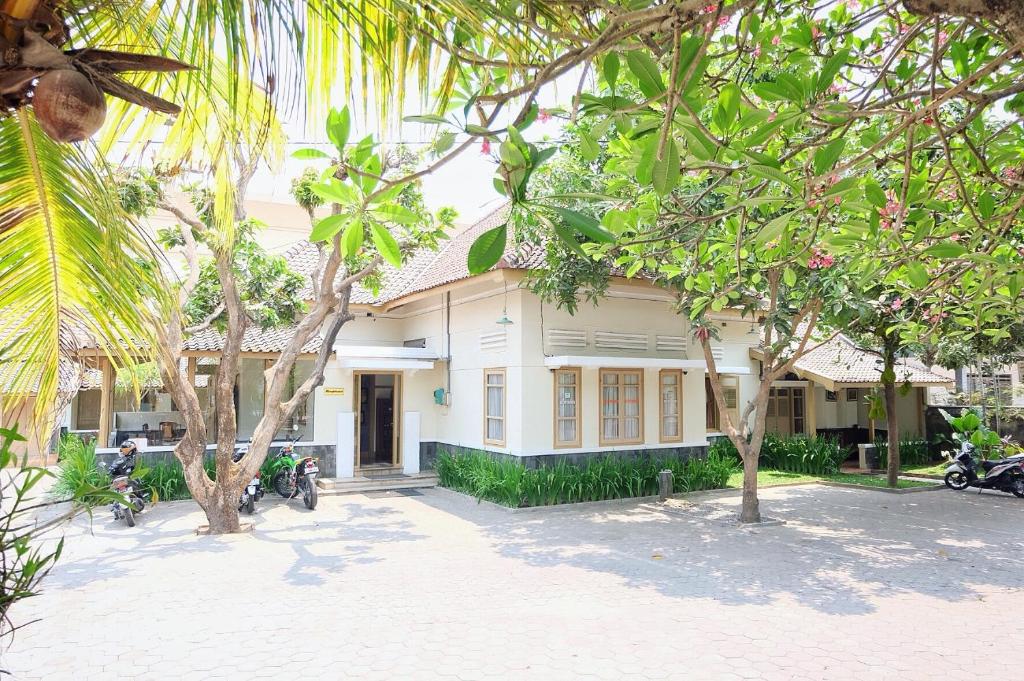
(442, 359)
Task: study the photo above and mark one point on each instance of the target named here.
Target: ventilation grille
(718, 353)
(607, 340)
(670, 343)
(567, 339)
(496, 340)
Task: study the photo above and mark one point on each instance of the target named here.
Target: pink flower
(723, 21)
(896, 304)
(838, 200)
(757, 51)
(954, 237)
(485, 147)
(815, 31)
(772, 116)
(544, 116)
(820, 260)
(776, 40)
(708, 28)
(853, 4)
(943, 37)
(708, 9)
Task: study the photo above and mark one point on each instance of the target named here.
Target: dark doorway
(378, 406)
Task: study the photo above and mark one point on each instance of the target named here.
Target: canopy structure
(383, 358)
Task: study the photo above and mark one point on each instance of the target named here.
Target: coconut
(68, 106)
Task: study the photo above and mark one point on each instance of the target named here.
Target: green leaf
(945, 249)
(478, 130)
(386, 244)
(569, 240)
(874, 193)
(665, 173)
(326, 228)
(826, 157)
(444, 142)
(917, 274)
(395, 213)
(429, 119)
(334, 191)
(647, 73)
(774, 228)
(789, 276)
(589, 148)
(611, 69)
(585, 224)
(774, 174)
(352, 239)
(338, 126)
(309, 154)
(728, 106)
(828, 72)
(771, 91)
(987, 205)
(698, 143)
(487, 250)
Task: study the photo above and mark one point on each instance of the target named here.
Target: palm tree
(71, 259)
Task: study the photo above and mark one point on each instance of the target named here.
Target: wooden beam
(810, 406)
(106, 403)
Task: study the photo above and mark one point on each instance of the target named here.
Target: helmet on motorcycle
(128, 447)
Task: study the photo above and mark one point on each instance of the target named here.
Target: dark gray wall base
(326, 453)
(430, 450)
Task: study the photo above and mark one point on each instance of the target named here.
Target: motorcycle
(252, 492)
(1004, 475)
(296, 475)
(120, 471)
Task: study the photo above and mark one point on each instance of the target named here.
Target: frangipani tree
(775, 155)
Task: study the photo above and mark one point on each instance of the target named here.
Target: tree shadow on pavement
(839, 552)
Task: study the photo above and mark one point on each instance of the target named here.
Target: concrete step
(332, 486)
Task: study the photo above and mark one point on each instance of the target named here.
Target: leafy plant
(79, 470)
(912, 453)
(970, 427)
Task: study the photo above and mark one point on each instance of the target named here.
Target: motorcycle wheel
(281, 485)
(956, 480)
(1018, 488)
(310, 496)
(250, 505)
(129, 516)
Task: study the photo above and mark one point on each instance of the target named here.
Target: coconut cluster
(68, 106)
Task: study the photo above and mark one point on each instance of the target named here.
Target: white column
(344, 452)
(411, 442)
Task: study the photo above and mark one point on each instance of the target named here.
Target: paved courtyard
(857, 584)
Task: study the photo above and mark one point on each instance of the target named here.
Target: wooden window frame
(830, 395)
(504, 407)
(602, 441)
(728, 380)
(852, 391)
(578, 442)
(661, 405)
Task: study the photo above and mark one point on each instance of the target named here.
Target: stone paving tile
(857, 585)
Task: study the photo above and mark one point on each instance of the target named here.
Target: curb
(887, 490)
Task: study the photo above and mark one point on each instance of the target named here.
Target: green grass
(938, 469)
(772, 478)
(768, 478)
(872, 480)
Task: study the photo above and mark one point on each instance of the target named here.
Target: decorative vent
(670, 343)
(496, 340)
(567, 339)
(718, 353)
(607, 340)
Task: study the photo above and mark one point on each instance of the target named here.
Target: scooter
(252, 492)
(120, 471)
(297, 475)
(1004, 475)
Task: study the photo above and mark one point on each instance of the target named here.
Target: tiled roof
(840, 361)
(255, 340)
(426, 269)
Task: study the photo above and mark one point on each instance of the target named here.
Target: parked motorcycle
(296, 475)
(252, 492)
(120, 471)
(1004, 475)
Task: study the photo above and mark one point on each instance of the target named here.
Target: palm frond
(71, 263)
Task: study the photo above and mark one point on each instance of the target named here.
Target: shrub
(799, 454)
(510, 483)
(166, 479)
(912, 453)
(79, 471)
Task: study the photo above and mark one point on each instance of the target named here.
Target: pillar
(106, 403)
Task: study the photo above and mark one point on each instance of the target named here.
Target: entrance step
(378, 472)
(361, 485)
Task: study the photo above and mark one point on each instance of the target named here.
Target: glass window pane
(495, 406)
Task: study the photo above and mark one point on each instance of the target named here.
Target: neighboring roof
(426, 269)
(255, 340)
(840, 363)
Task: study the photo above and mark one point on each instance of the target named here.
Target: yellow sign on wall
(334, 391)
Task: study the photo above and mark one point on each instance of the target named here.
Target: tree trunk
(221, 508)
(892, 421)
(751, 509)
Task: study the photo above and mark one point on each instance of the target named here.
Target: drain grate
(385, 493)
